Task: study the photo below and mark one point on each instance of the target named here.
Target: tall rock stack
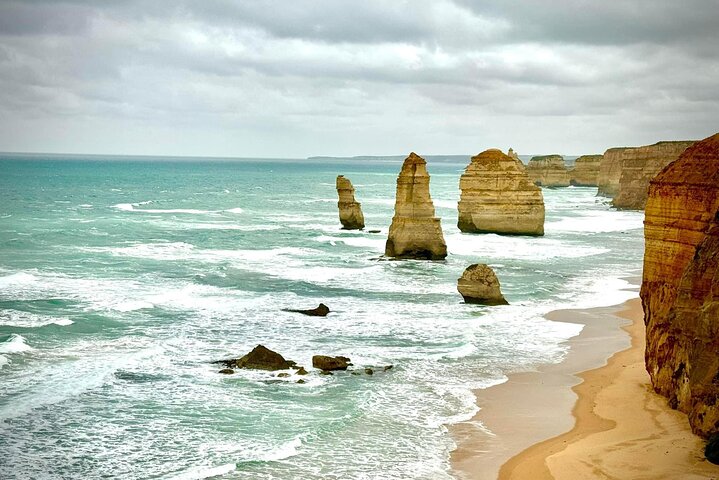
(350, 210)
(639, 166)
(548, 171)
(680, 287)
(415, 231)
(610, 171)
(586, 171)
(497, 197)
(513, 154)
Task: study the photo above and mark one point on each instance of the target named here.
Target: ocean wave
(17, 318)
(4, 361)
(493, 246)
(199, 473)
(132, 305)
(376, 242)
(597, 221)
(14, 344)
(130, 207)
(235, 210)
(19, 278)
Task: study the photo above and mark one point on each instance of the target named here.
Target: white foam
(376, 243)
(199, 473)
(597, 222)
(3, 361)
(17, 318)
(130, 207)
(124, 206)
(85, 205)
(235, 210)
(15, 344)
(132, 305)
(19, 278)
(492, 246)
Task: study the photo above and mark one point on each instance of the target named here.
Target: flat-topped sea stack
(586, 171)
(415, 231)
(548, 171)
(610, 171)
(350, 210)
(639, 165)
(498, 197)
(680, 287)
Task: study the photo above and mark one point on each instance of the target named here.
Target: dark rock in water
(326, 363)
(321, 311)
(374, 231)
(326, 372)
(283, 375)
(301, 371)
(355, 372)
(300, 381)
(260, 358)
(388, 367)
(369, 371)
(711, 452)
(226, 371)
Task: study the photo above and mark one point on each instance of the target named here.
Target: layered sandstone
(548, 171)
(479, 284)
(498, 197)
(680, 287)
(638, 166)
(350, 210)
(610, 171)
(586, 171)
(415, 231)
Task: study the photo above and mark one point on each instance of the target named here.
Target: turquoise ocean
(122, 278)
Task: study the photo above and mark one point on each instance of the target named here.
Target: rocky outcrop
(680, 287)
(260, 358)
(321, 311)
(610, 171)
(497, 197)
(638, 166)
(415, 231)
(479, 284)
(586, 171)
(512, 154)
(350, 210)
(329, 364)
(548, 171)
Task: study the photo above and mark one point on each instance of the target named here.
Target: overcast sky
(295, 78)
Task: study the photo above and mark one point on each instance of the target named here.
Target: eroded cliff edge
(680, 287)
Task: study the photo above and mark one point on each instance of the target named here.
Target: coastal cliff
(680, 287)
(548, 171)
(498, 197)
(638, 166)
(610, 171)
(350, 210)
(415, 231)
(586, 171)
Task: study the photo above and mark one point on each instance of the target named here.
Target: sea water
(121, 279)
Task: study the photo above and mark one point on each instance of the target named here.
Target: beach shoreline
(544, 424)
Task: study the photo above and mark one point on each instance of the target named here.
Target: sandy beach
(605, 422)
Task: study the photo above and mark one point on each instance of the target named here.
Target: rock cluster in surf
(415, 231)
(498, 197)
(548, 171)
(350, 210)
(680, 286)
(479, 284)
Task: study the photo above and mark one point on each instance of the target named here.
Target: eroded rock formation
(321, 310)
(497, 197)
(610, 171)
(638, 166)
(328, 364)
(680, 287)
(350, 210)
(260, 358)
(479, 284)
(513, 154)
(415, 231)
(548, 171)
(586, 171)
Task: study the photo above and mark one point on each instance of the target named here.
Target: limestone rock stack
(479, 284)
(586, 171)
(639, 165)
(350, 210)
(497, 197)
(415, 231)
(680, 287)
(610, 171)
(513, 154)
(548, 171)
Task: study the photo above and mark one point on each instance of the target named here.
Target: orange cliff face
(680, 289)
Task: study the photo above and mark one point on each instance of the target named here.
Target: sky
(296, 78)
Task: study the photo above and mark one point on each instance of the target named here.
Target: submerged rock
(680, 284)
(350, 210)
(260, 358)
(226, 371)
(548, 171)
(497, 197)
(320, 311)
(327, 364)
(369, 371)
(479, 284)
(415, 231)
(301, 371)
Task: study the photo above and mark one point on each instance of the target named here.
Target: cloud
(275, 78)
